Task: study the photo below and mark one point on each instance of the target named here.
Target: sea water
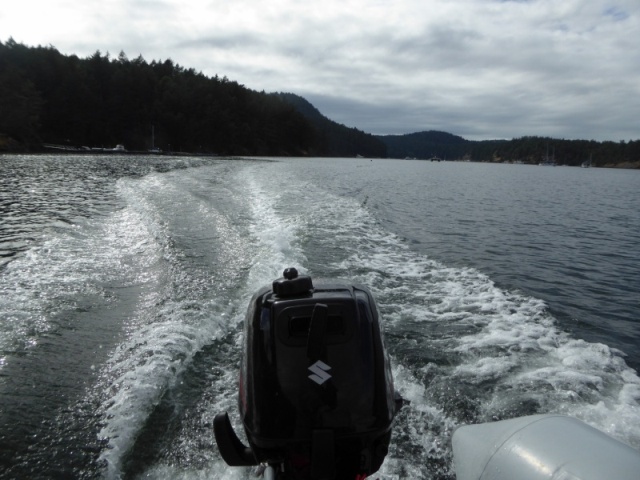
(504, 290)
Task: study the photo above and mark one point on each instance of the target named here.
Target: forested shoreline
(100, 102)
(527, 150)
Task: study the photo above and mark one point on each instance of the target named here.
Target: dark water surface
(505, 290)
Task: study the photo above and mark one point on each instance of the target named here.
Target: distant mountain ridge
(336, 139)
(425, 145)
(101, 101)
(339, 140)
(528, 150)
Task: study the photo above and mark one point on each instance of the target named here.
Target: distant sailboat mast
(550, 161)
(153, 148)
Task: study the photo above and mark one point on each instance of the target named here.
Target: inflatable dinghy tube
(541, 447)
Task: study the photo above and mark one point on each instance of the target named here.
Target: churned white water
(147, 288)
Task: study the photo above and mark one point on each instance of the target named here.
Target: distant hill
(336, 139)
(530, 149)
(426, 145)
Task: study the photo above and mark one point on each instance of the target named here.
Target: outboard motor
(316, 392)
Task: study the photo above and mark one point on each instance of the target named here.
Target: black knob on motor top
(290, 273)
(292, 284)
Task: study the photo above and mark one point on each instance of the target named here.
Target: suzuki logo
(319, 372)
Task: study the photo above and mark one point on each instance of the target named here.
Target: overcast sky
(481, 69)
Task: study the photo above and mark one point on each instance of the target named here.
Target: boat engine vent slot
(299, 326)
(293, 323)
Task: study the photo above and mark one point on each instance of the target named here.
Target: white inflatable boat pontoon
(541, 447)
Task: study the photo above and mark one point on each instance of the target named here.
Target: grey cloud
(480, 69)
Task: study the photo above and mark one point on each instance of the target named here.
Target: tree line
(99, 101)
(338, 139)
(528, 149)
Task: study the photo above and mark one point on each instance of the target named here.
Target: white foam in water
(506, 339)
(164, 340)
(278, 238)
(168, 328)
(517, 345)
(275, 242)
(149, 364)
(590, 381)
(216, 471)
(488, 336)
(48, 279)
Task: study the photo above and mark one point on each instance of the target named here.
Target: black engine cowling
(316, 390)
